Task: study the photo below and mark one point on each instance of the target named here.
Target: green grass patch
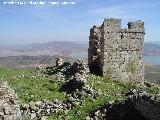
(31, 87)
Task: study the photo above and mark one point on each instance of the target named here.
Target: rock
(64, 106)
(32, 105)
(18, 113)
(43, 105)
(24, 112)
(44, 118)
(50, 103)
(43, 112)
(38, 115)
(24, 107)
(55, 110)
(69, 105)
(55, 106)
(59, 62)
(95, 118)
(7, 110)
(8, 117)
(111, 102)
(104, 110)
(88, 118)
(52, 110)
(33, 115)
(1, 114)
(48, 111)
(91, 119)
(76, 103)
(97, 113)
(38, 103)
(56, 101)
(71, 99)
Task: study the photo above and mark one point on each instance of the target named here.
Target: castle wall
(110, 47)
(94, 50)
(120, 55)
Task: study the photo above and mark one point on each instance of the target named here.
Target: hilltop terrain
(71, 92)
(67, 92)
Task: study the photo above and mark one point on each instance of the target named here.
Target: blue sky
(24, 24)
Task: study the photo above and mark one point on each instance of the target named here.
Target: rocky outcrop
(9, 104)
(116, 111)
(140, 105)
(59, 62)
(148, 105)
(76, 76)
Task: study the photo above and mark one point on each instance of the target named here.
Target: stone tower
(117, 52)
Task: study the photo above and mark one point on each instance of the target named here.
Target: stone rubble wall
(138, 106)
(9, 105)
(94, 49)
(94, 43)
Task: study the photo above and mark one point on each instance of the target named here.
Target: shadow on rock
(121, 111)
(77, 82)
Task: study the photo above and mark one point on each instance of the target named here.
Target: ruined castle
(117, 52)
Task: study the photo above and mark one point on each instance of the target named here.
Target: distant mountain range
(153, 42)
(63, 48)
(31, 61)
(151, 49)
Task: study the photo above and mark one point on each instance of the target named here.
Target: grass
(31, 87)
(106, 85)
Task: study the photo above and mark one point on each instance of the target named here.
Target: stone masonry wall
(94, 50)
(117, 52)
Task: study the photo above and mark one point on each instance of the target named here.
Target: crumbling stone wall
(9, 104)
(94, 50)
(138, 106)
(117, 52)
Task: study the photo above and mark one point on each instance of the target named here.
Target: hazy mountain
(151, 49)
(153, 42)
(31, 61)
(63, 48)
(63, 45)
